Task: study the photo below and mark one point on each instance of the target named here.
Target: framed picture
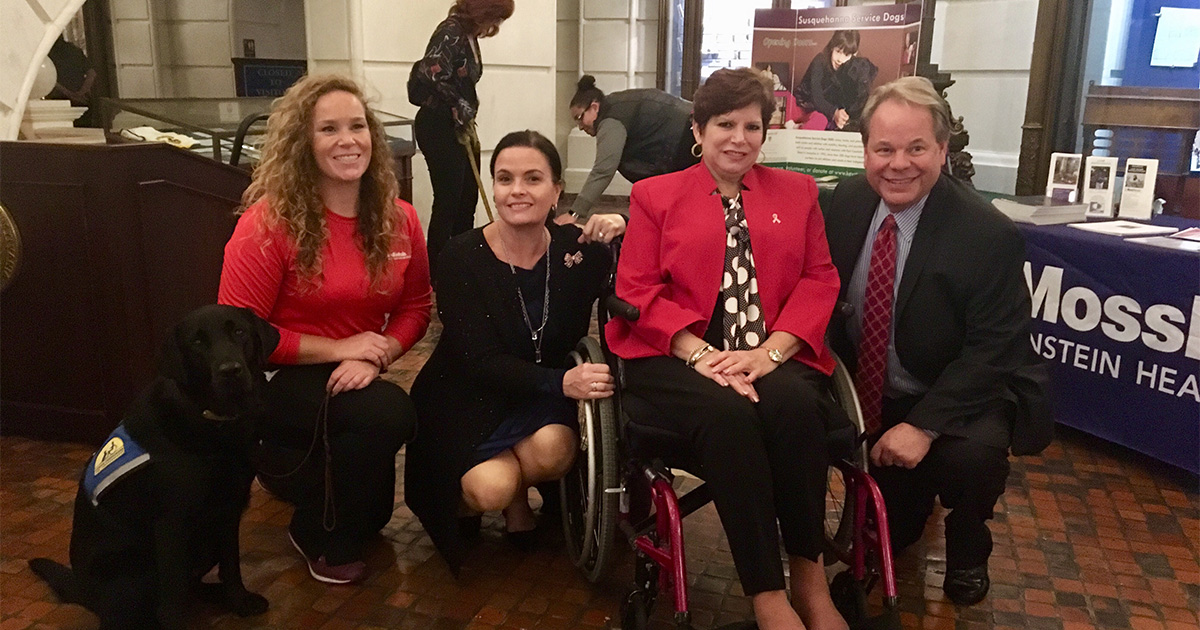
(1099, 183)
(1137, 193)
(1062, 182)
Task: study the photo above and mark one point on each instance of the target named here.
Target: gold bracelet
(698, 354)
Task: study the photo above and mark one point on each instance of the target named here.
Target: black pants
(967, 475)
(763, 462)
(455, 193)
(367, 427)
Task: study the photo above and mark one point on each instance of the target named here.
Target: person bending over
(640, 133)
(328, 254)
(496, 401)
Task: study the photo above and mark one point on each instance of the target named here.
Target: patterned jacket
(447, 75)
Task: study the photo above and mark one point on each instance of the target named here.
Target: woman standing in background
(442, 84)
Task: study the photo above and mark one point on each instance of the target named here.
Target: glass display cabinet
(229, 129)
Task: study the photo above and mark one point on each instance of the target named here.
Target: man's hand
(902, 445)
(565, 218)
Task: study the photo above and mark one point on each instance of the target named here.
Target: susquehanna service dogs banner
(1119, 324)
(824, 63)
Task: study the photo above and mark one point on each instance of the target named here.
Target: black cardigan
(484, 361)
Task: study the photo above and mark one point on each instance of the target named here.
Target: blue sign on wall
(266, 77)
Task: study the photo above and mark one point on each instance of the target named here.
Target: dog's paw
(247, 604)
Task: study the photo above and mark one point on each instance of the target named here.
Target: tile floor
(1088, 535)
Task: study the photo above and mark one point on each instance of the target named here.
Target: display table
(212, 123)
(1119, 324)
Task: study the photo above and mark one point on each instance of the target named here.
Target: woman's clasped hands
(363, 357)
(737, 369)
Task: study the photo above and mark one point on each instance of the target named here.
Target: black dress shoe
(967, 586)
(524, 541)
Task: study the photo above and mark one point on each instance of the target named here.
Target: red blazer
(673, 259)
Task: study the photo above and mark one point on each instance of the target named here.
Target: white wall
(276, 26)
(136, 55)
(193, 40)
(987, 47)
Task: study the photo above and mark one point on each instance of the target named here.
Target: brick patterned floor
(1088, 535)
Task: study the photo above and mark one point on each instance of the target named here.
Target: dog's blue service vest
(119, 456)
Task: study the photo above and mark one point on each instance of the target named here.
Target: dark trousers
(966, 475)
(763, 462)
(455, 192)
(367, 427)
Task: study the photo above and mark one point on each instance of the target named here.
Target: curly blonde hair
(287, 179)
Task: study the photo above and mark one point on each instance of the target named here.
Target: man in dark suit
(938, 338)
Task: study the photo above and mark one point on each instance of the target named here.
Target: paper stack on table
(1125, 228)
(1040, 210)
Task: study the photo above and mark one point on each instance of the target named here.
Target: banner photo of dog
(1137, 193)
(1063, 181)
(824, 64)
(1099, 183)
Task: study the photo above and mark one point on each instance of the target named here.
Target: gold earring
(697, 150)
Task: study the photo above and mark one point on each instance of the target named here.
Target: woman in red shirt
(329, 256)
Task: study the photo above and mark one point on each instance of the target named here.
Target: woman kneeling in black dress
(495, 402)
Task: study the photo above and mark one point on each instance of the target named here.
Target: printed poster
(825, 63)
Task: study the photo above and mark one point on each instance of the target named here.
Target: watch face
(775, 355)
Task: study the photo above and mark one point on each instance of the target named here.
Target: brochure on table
(1099, 181)
(1125, 228)
(1137, 193)
(1063, 179)
(815, 126)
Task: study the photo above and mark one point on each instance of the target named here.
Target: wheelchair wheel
(589, 508)
(839, 506)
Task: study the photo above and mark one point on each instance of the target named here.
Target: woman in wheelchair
(495, 403)
(729, 349)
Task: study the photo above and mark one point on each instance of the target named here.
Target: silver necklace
(534, 335)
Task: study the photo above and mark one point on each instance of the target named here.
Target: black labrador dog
(160, 504)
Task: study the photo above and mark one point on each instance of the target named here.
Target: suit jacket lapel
(858, 221)
(932, 217)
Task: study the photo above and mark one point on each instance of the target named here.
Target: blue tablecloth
(1119, 322)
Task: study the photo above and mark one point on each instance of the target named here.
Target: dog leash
(469, 139)
(329, 513)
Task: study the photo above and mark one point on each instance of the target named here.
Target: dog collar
(209, 415)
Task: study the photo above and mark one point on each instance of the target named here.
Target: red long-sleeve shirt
(259, 273)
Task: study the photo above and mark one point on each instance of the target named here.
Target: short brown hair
(732, 89)
(914, 91)
(476, 13)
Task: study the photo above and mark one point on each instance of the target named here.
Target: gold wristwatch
(775, 355)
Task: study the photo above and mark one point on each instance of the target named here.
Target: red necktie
(876, 325)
